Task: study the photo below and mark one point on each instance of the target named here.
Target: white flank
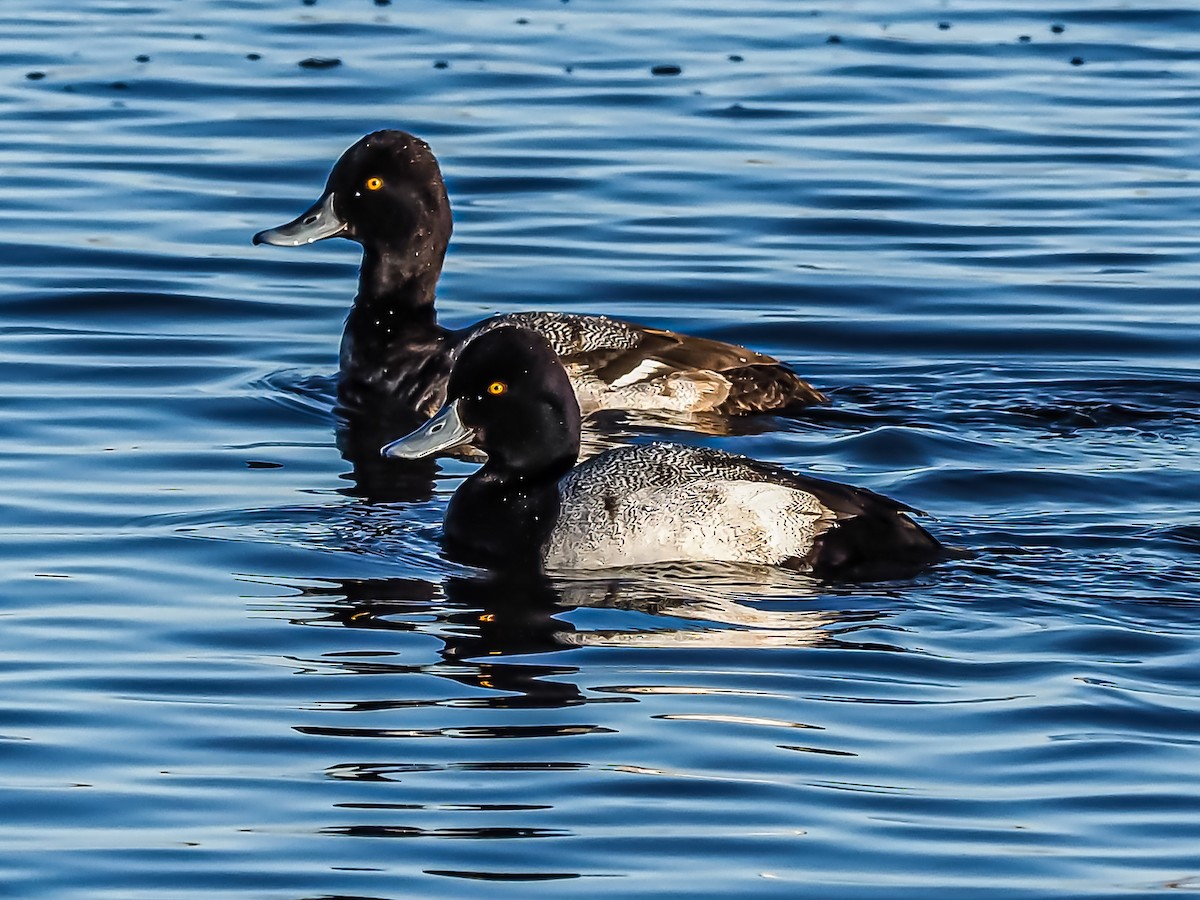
(732, 521)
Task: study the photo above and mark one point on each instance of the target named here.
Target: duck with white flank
(530, 506)
(386, 193)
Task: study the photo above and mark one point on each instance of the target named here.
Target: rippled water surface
(228, 670)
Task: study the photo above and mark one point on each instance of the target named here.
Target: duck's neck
(501, 521)
(395, 294)
(391, 336)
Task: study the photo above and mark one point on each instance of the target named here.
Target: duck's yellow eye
(374, 183)
(496, 388)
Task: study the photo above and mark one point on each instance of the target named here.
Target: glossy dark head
(386, 193)
(510, 396)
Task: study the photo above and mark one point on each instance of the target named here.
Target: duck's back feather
(621, 365)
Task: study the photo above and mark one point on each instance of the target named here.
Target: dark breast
(403, 379)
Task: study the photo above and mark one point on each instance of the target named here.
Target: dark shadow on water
(358, 436)
(380, 480)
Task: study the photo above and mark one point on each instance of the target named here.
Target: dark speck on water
(320, 62)
(943, 26)
(665, 70)
(251, 646)
(833, 39)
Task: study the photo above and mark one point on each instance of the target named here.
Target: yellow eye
(374, 183)
(496, 388)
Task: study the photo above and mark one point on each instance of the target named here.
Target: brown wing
(757, 382)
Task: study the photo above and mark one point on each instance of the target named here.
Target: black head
(386, 192)
(510, 396)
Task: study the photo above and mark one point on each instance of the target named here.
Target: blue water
(227, 673)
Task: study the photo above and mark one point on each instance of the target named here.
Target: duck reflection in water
(476, 619)
(491, 629)
(485, 619)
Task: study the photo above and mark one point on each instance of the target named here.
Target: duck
(386, 193)
(531, 506)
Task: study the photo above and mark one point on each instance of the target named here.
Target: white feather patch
(645, 370)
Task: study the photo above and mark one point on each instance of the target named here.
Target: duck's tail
(770, 388)
(877, 548)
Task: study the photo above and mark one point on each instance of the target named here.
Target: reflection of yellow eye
(496, 388)
(374, 183)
